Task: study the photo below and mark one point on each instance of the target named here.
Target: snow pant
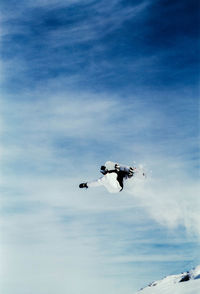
(109, 181)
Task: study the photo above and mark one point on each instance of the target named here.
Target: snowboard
(110, 165)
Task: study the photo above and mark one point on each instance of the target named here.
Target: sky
(83, 82)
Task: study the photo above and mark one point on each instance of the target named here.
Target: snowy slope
(185, 283)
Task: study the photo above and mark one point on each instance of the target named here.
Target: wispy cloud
(83, 83)
(46, 30)
(72, 26)
(99, 42)
(50, 135)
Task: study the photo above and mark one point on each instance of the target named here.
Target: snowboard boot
(117, 167)
(83, 185)
(130, 172)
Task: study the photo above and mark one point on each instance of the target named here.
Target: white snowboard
(139, 170)
(111, 165)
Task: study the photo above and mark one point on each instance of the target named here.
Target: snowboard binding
(130, 172)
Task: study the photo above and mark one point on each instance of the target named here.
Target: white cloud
(104, 18)
(51, 230)
(58, 242)
(57, 238)
(33, 129)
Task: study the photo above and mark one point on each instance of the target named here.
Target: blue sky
(83, 82)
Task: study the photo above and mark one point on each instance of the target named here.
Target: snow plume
(170, 198)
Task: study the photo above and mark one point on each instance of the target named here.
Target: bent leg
(109, 181)
(121, 175)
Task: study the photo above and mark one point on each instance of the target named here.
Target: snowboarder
(112, 180)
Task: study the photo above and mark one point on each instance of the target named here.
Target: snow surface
(172, 284)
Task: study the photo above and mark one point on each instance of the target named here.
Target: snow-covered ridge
(184, 283)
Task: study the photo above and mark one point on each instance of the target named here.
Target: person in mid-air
(112, 180)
